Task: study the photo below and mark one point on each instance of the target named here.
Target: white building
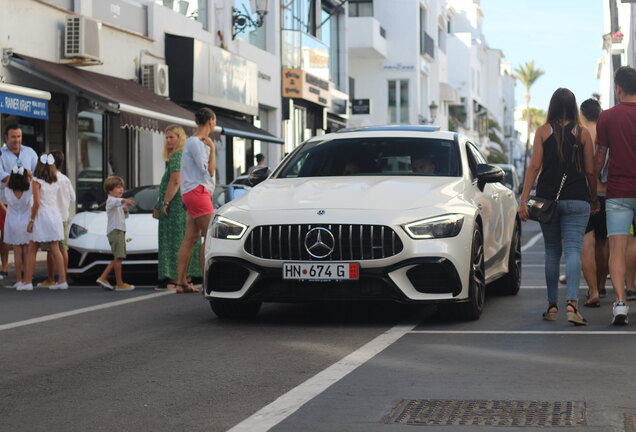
(397, 62)
(476, 71)
(618, 44)
(89, 81)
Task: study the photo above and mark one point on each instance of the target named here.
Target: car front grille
(350, 242)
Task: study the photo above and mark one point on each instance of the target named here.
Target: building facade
(112, 81)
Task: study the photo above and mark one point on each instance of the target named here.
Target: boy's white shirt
(115, 214)
(65, 196)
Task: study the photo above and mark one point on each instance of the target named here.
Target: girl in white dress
(45, 224)
(19, 201)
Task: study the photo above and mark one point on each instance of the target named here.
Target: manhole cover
(510, 413)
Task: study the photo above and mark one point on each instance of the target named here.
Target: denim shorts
(620, 214)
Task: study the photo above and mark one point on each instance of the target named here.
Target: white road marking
(287, 404)
(525, 332)
(531, 242)
(81, 311)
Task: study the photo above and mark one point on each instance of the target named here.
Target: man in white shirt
(12, 154)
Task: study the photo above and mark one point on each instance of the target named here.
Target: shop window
(398, 101)
(90, 160)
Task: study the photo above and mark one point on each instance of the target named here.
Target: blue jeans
(620, 214)
(565, 231)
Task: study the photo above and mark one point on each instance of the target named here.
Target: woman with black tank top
(562, 146)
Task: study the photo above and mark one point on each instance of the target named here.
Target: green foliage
(537, 117)
(497, 156)
(528, 74)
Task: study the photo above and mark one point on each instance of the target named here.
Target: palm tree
(537, 117)
(528, 74)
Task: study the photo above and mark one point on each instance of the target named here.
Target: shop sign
(224, 80)
(360, 106)
(24, 106)
(299, 84)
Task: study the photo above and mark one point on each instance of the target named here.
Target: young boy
(65, 197)
(116, 209)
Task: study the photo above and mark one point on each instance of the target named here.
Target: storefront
(99, 123)
(28, 108)
(306, 101)
(205, 75)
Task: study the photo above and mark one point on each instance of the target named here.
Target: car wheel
(471, 310)
(510, 283)
(235, 309)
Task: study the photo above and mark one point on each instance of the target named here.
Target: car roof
(388, 130)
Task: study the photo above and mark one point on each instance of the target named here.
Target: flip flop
(184, 289)
(594, 302)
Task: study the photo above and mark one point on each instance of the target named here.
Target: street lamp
(243, 20)
(432, 109)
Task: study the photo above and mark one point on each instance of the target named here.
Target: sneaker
(124, 287)
(104, 284)
(25, 287)
(46, 284)
(4, 274)
(620, 312)
(563, 279)
(17, 284)
(59, 286)
(631, 295)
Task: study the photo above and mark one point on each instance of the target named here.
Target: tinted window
(374, 156)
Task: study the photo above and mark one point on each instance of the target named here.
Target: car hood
(141, 224)
(361, 193)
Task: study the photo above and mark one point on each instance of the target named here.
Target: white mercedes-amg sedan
(400, 213)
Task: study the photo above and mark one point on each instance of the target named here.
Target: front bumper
(424, 279)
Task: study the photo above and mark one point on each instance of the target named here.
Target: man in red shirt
(616, 133)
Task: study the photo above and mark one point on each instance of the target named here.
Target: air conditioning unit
(155, 77)
(81, 37)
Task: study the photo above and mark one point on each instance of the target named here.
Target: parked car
(511, 179)
(89, 251)
(347, 217)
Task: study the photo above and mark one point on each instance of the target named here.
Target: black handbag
(543, 209)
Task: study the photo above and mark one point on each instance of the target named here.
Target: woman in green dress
(172, 216)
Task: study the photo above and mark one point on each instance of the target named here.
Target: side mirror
(258, 175)
(487, 173)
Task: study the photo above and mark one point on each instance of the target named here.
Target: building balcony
(366, 38)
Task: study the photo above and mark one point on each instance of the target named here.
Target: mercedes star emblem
(319, 242)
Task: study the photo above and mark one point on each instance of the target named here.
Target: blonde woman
(172, 216)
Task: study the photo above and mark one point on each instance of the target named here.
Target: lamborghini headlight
(224, 228)
(436, 227)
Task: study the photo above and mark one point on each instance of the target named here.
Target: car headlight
(224, 228)
(76, 231)
(437, 227)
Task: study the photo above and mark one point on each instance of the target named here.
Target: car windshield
(375, 157)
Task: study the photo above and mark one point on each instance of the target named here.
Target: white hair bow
(47, 159)
(17, 170)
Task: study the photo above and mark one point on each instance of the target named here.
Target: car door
(489, 201)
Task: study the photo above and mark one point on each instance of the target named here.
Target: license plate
(321, 272)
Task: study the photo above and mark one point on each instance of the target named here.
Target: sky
(563, 37)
